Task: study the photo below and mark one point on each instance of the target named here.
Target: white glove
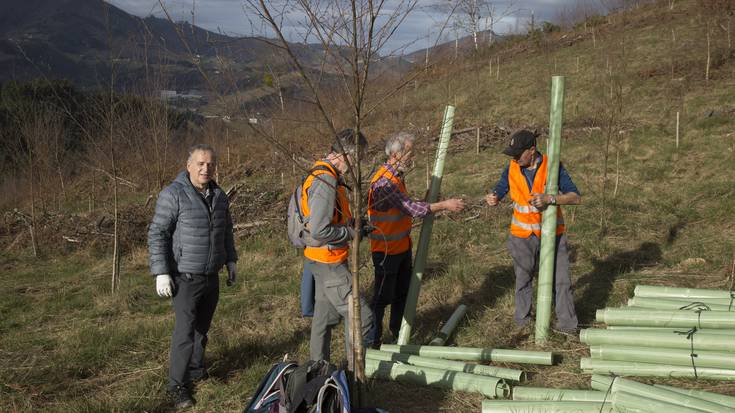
(164, 285)
(231, 273)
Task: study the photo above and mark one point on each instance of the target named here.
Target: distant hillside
(85, 40)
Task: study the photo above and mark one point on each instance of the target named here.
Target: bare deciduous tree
(351, 35)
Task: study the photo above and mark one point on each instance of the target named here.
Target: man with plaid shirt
(391, 211)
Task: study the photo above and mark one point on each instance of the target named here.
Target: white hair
(397, 142)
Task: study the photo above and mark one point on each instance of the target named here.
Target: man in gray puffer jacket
(189, 240)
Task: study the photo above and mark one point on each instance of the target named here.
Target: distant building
(168, 94)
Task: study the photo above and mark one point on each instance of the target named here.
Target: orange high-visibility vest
(328, 254)
(526, 218)
(393, 233)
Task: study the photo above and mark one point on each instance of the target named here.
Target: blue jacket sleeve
(566, 184)
(502, 187)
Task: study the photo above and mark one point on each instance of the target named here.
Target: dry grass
(67, 345)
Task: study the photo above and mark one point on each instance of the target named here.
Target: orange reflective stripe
(393, 227)
(527, 219)
(327, 253)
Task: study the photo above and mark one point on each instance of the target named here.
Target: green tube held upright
(422, 249)
(547, 254)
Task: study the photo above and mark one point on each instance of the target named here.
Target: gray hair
(202, 147)
(397, 142)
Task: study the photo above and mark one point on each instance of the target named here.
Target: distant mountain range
(87, 41)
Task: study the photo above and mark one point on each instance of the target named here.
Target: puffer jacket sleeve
(229, 238)
(161, 230)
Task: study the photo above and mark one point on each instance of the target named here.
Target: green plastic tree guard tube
(541, 393)
(455, 380)
(538, 406)
(667, 304)
(625, 368)
(727, 401)
(656, 291)
(716, 331)
(448, 328)
(547, 249)
(666, 318)
(672, 330)
(658, 355)
(631, 403)
(603, 383)
(700, 340)
(422, 249)
(474, 354)
(483, 370)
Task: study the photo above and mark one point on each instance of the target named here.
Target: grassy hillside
(652, 213)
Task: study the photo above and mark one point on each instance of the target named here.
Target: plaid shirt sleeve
(386, 195)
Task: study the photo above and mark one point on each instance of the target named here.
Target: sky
(420, 29)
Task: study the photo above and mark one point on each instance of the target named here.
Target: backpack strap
(303, 179)
(305, 384)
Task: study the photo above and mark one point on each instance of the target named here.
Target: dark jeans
(307, 290)
(195, 299)
(525, 253)
(392, 278)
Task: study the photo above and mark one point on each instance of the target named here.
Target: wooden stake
(594, 39)
(477, 150)
(706, 72)
(677, 130)
(577, 64)
(617, 171)
(497, 73)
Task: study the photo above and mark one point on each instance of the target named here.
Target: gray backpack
(298, 233)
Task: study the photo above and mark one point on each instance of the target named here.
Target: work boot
(181, 398)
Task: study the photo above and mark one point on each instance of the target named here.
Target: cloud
(419, 30)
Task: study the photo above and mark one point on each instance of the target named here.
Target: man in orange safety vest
(391, 212)
(525, 180)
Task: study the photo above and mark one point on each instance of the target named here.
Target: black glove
(366, 229)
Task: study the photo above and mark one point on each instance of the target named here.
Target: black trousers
(392, 279)
(195, 299)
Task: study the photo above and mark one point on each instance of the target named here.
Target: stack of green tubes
(666, 332)
(629, 395)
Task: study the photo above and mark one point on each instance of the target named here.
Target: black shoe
(181, 398)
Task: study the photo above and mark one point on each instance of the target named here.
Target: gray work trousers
(195, 299)
(525, 253)
(333, 287)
